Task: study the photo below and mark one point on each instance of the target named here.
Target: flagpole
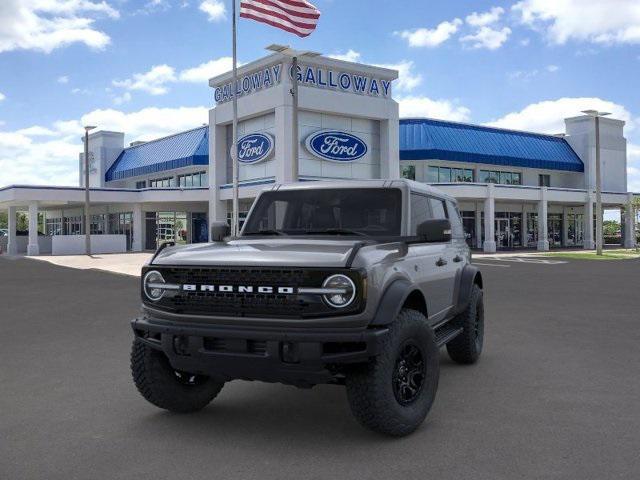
(294, 123)
(234, 148)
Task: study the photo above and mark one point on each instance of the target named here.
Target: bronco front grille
(250, 304)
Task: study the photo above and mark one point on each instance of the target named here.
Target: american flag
(294, 16)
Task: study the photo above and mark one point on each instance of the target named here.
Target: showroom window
(190, 180)
(503, 178)
(408, 172)
(449, 175)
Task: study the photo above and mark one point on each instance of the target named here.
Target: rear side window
(437, 208)
(457, 231)
(420, 211)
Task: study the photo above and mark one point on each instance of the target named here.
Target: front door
(504, 236)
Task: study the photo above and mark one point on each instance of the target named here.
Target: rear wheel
(393, 393)
(467, 347)
(167, 388)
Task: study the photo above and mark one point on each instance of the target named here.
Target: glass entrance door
(503, 233)
(575, 229)
(554, 229)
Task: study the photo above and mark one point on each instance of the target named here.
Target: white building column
(33, 247)
(219, 150)
(138, 221)
(543, 237)
(478, 226)
(489, 245)
(589, 242)
(629, 224)
(12, 245)
(283, 141)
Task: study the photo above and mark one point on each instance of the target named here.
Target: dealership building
(515, 189)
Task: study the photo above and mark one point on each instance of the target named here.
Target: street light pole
(596, 114)
(87, 217)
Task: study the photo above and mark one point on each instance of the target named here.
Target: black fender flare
(391, 302)
(470, 275)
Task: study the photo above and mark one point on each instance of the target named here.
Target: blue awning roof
(183, 149)
(426, 139)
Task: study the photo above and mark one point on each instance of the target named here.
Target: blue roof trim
(427, 139)
(181, 150)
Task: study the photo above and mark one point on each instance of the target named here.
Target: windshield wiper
(335, 231)
(266, 232)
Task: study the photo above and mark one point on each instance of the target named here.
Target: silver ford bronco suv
(355, 283)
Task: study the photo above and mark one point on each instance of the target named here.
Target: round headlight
(343, 291)
(152, 282)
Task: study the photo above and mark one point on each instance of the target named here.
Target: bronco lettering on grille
(191, 287)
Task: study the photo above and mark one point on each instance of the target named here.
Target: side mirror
(219, 230)
(435, 230)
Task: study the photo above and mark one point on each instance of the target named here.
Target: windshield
(356, 211)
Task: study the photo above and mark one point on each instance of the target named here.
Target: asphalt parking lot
(555, 394)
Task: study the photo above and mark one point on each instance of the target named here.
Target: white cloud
(407, 78)
(2, 96)
(214, 9)
(486, 18)
(203, 72)
(424, 37)
(487, 37)
(349, 56)
(63, 79)
(526, 75)
(595, 21)
(45, 25)
(120, 99)
(548, 116)
(48, 155)
(420, 106)
(525, 42)
(154, 81)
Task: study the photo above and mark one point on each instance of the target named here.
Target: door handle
(457, 258)
(441, 262)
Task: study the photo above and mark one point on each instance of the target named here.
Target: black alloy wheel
(409, 373)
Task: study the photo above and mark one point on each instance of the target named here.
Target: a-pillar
(543, 238)
(629, 224)
(489, 245)
(138, 220)
(12, 244)
(32, 246)
(589, 242)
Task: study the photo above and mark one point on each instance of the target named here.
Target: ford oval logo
(255, 147)
(336, 146)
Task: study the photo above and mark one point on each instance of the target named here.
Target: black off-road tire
(162, 386)
(372, 388)
(467, 347)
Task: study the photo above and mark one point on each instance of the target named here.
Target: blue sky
(142, 66)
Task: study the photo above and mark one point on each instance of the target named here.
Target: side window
(457, 231)
(420, 211)
(437, 208)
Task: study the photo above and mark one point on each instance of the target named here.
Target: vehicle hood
(260, 252)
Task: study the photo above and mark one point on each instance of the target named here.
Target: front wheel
(393, 393)
(167, 388)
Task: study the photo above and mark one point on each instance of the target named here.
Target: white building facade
(515, 189)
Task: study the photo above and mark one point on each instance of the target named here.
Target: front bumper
(296, 356)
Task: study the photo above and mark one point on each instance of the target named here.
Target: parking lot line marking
(491, 264)
(529, 260)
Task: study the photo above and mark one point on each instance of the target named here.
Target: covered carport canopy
(34, 199)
